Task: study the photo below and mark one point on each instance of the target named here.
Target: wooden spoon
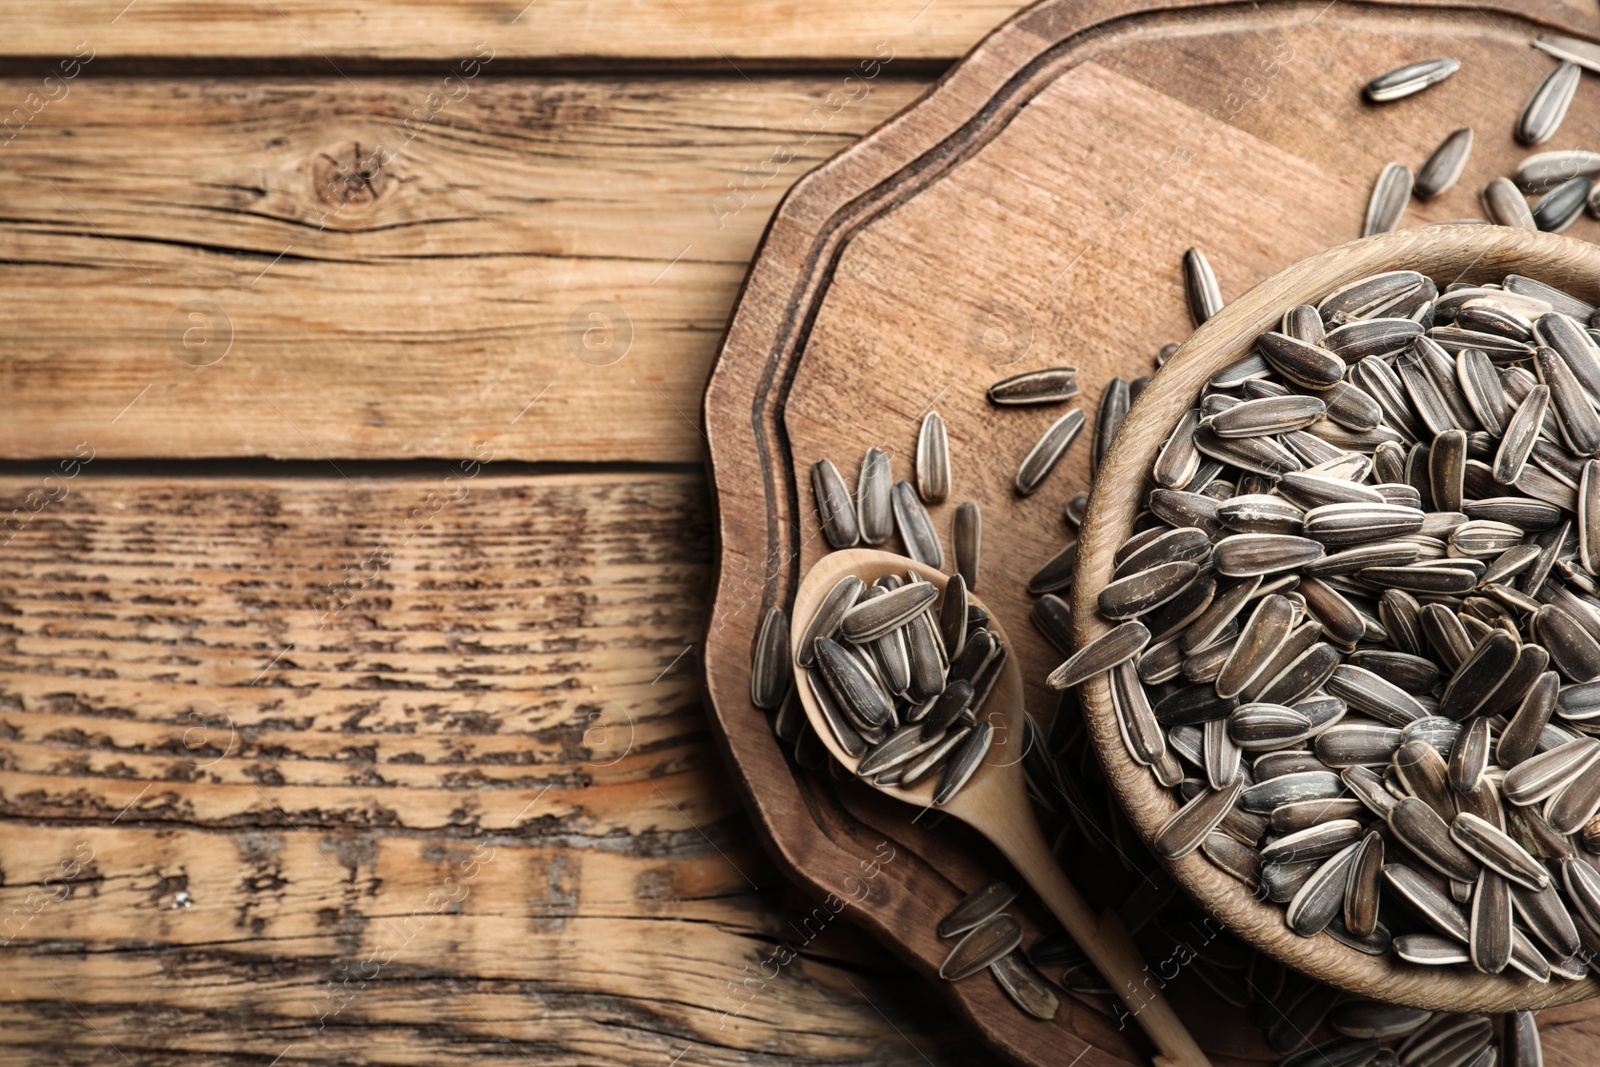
(995, 803)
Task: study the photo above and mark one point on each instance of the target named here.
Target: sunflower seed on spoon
(873, 618)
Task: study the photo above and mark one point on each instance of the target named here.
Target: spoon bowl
(994, 802)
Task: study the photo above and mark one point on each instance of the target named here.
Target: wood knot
(351, 176)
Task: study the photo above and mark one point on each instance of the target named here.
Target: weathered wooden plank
(300, 268)
(431, 652)
(462, 806)
(351, 36)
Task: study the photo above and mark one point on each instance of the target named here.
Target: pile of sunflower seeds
(1357, 624)
(901, 674)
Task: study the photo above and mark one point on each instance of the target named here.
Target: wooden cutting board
(1031, 210)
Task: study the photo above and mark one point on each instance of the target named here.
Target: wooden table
(355, 547)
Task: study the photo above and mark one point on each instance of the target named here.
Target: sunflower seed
(1376, 1019)
(1245, 555)
(1577, 802)
(953, 616)
(1323, 894)
(858, 691)
(898, 749)
(1050, 385)
(1264, 796)
(1542, 114)
(1266, 726)
(1573, 651)
(1519, 1042)
(934, 758)
(1388, 202)
(1179, 460)
(1475, 680)
(834, 508)
(1267, 415)
(1141, 733)
(1200, 286)
(1431, 905)
(1258, 455)
(1412, 78)
(1304, 364)
(1490, 923)
(982, 946)
(1430, 949)
(1076, 508)
(844, 731)
(1262, 635)
(1113, 409)
(1520, 738)
(1470, 756)
(1056, 573)
(968, 536)
(1117, 645)
(1504, 204)
(1237, 859)
(977, 908)
(1546, 917)
(946, 708)
(1444, 166)
(1357, 745)
(1498, 851)
(933, 459)
(925, 651)
(874, 509)
(1183, 832)
(1561, 206)
(1363, 887)
(1260, 513)
(963, 763)
(1421, 829)
(916, 529)
(875, 617)
(825, 623)
(1044, 455)
(1539, 776)
(1029, 989)
(770, 677)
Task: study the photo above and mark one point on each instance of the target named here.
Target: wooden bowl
(1447, 253)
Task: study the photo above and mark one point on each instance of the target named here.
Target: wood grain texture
(386, 286)
(711, 33)
(1032, 211)
(472, 815)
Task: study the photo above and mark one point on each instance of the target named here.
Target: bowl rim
(1447, 252)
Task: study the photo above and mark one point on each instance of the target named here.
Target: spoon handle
(1105, 940)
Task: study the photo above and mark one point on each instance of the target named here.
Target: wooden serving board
(1031, 210)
